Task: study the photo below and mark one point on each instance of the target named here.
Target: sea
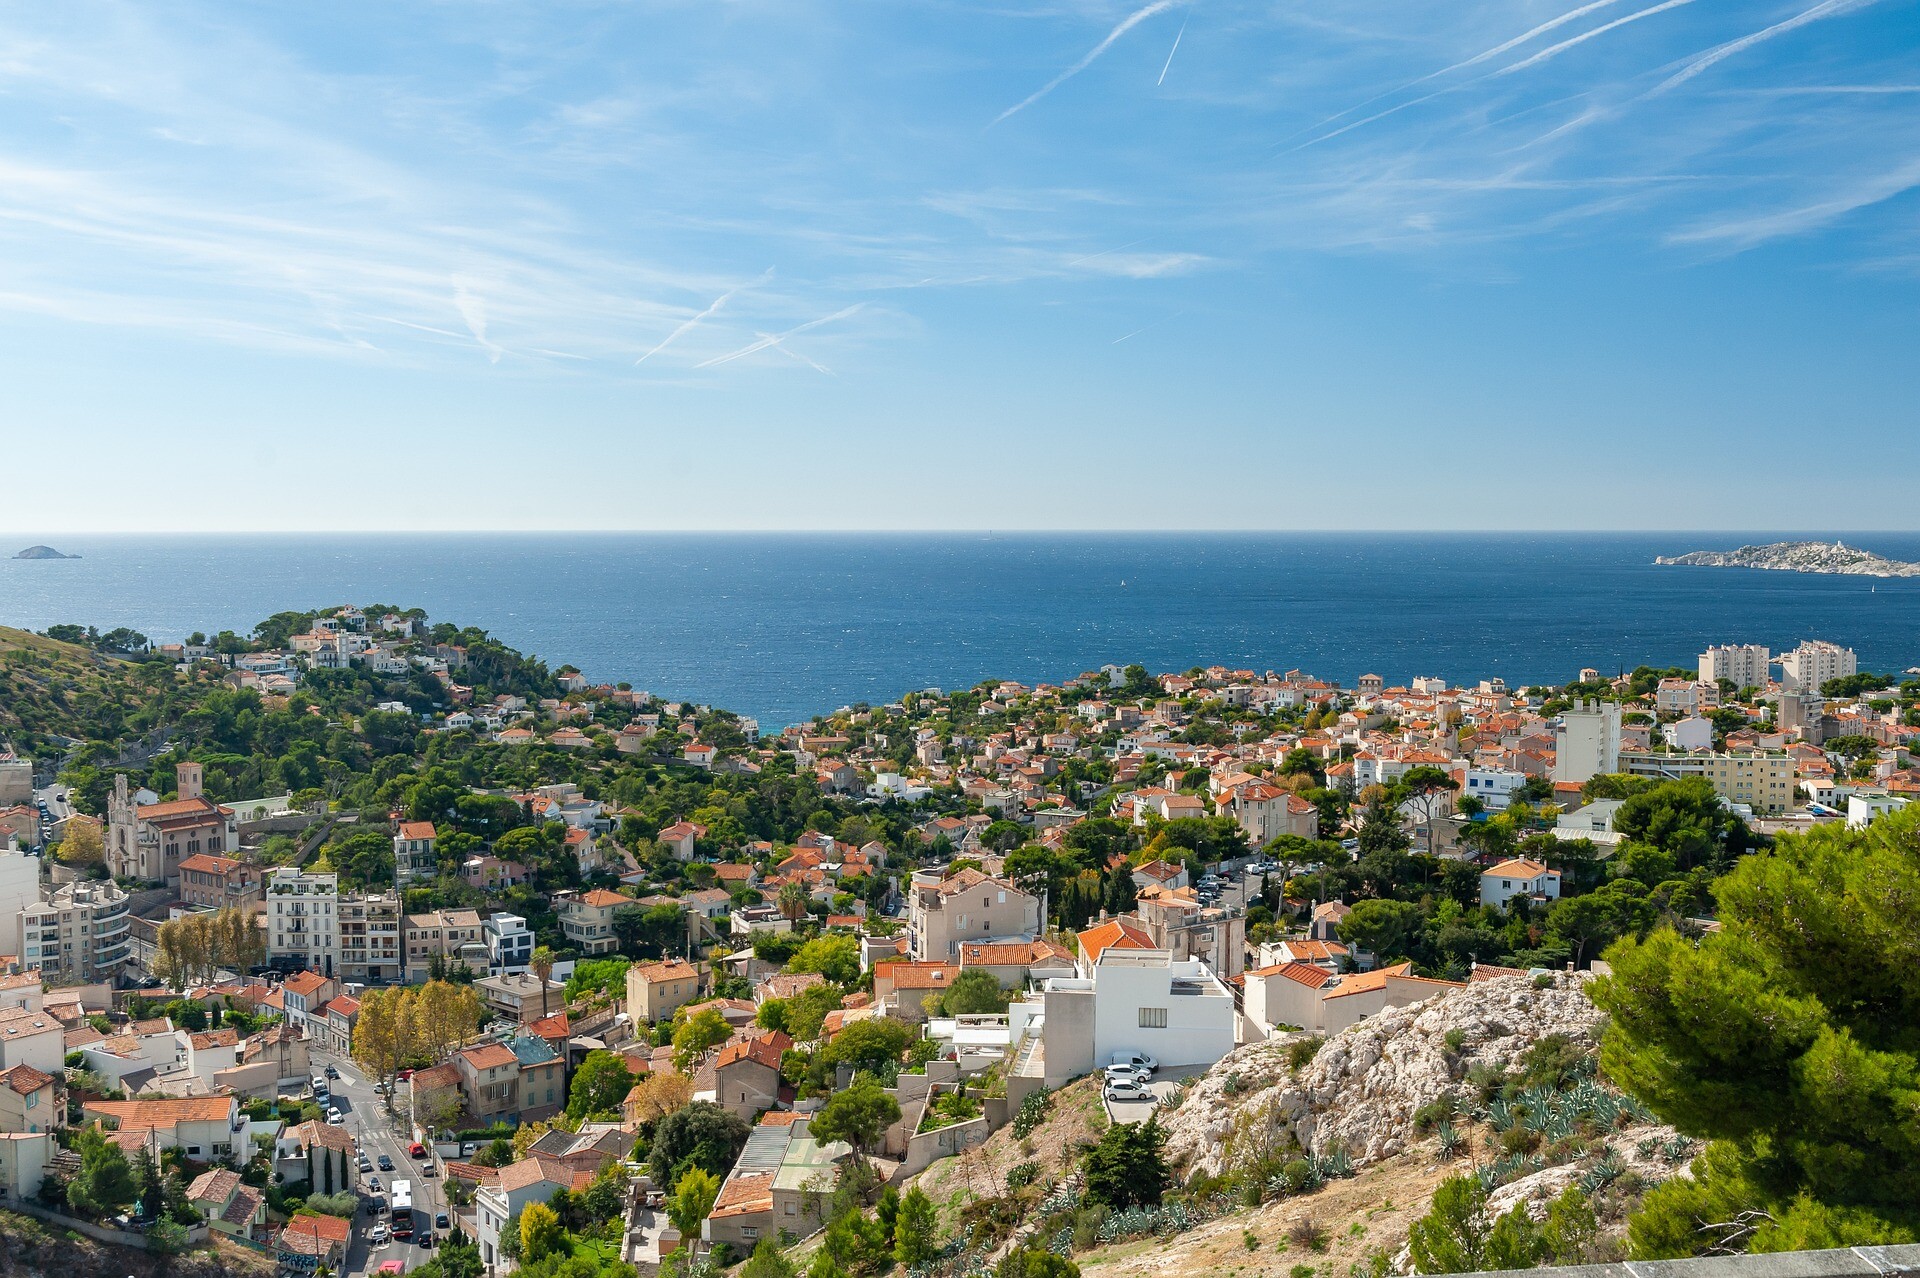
(786, 626)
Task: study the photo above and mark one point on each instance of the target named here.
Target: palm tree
(792, 900)
(542, 966)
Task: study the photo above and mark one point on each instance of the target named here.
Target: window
(1153, 1018)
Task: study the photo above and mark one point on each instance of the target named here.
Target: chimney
(187, 779)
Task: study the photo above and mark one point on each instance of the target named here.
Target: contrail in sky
(1475, 60)
(711, 310)
(1170, 52)
(1731, 47)
(777, 338)
(1554, 50)
(1127, 24)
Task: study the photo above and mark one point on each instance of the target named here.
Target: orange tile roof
(489, 1056)
(1518, 868)
(418, 830)
(305, 983)
(1016, 954)
(1113, 934)
(1299, 973)
(743, 1195)
(311, 1235)
(163, 1115)
(921, 976)
(24, 1079)
(1367, 982)
(214, 1038)
(767, 1049)
(206, 863)
(601, 896)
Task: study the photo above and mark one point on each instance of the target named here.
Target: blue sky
(721, 264)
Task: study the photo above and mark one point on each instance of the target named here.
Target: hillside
(1798, 556)
(50, 687)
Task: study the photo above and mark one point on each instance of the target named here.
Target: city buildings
(303, 919)
(1587, 743)
(1743, 665)
(1813, 663)
(943, 911)
(148, 840)
(76, 932)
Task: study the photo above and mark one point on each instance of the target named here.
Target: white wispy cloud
(1748, 232)
(1170, 52)
(766, 340)
(473, 309)
(1125, 25)
(1721, 52)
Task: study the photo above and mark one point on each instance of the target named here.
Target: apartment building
(1128, 999)
(1587, 743)
(212, 882)
(522, 1080)
(655, 991)
(968, 906)
(303, 920)
(148, 841)
(76, 932)
(1266, 812)
(1743, 665)
(1813, 663)
(1763, 783)
(370, 952)
(454, 935)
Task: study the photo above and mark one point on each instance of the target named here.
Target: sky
(780, 264)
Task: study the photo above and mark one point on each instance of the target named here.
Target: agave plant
(1500, 1115)
(1335, 1165)
(1601, 1174)
(1677, 1149)
(1451, 1140)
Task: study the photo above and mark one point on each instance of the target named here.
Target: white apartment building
(1587, 743)
(1744, 665)
(75, 932)
(1813, 663)
(369, 939)
(1494, 787)
(303, 920)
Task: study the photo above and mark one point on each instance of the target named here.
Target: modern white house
(1494, 787)
(1129, 1000)
(1518, 877)
(1593, 822)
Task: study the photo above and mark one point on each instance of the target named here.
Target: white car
(1127, 1090)
(379, 1236)
(1137, 1061)
(1127, 1074)
(333, 1117)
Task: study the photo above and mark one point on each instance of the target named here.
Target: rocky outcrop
(1798, 556)
(43, 552)
(1360, 1091)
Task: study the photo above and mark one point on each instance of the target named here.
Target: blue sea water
(786, 626)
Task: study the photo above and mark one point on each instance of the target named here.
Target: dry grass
(1372, 1210)
(1076, 1120)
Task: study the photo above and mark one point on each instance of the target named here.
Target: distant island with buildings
(1799, 556)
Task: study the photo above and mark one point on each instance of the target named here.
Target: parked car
(416, 1150)
(334, 1115)
(1139, 1060)
(428, 1169)
(1126, 1074)
(364, 1163)
(440, 1222)
(1127, 1090)
(404, 1075)
(386, 1164)
(373, 1183)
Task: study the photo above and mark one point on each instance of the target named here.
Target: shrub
(1022, 1176)
(1308, 1233)
(1302, 1050)
(1455, 1040)
(1032, 1112)
(1544, 981)
(1251, 1239)
(1436, 1111)
(1300, 1271)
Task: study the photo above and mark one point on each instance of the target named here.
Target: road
(364, 1115)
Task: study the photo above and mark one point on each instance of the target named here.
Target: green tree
(1589, 923)
(974, 992)
(867, 1045)
(692, 1198)
(104, 1184)
(599, 1085)
(541, 1234)
(914, 1229)
(700, 1134)
(1036, 1262)
(1128, 1167)
(836, 957)
(767, 1262)
(1786, 1038)
(1387, 929)
(859, 1115)
(695, 1035)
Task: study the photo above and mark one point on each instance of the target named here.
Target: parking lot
(1163, 1086)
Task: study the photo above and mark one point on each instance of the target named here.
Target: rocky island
(43, 552)
(1799, 556)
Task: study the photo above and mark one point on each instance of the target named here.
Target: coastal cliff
(1799, 556)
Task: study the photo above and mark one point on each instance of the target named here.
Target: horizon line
(946, 532)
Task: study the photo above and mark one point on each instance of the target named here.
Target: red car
(404, 1075)
(416, 1150)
